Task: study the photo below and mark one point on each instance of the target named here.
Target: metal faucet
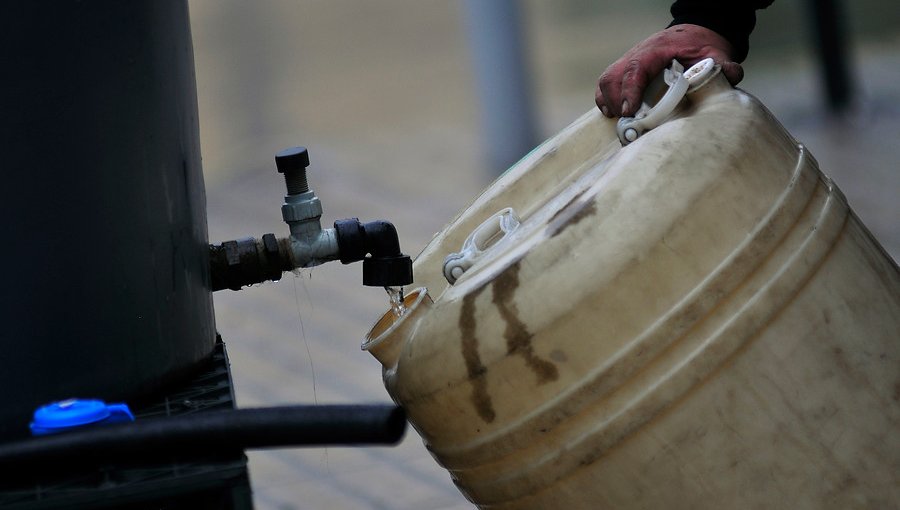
(234, 264)
(310, 244)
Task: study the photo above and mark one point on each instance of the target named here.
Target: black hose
(207, 434)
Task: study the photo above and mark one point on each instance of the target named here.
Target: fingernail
(604, 110)
(624, 107)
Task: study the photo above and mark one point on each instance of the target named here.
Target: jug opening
(389, 322)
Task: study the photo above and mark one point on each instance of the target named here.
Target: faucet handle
(294, 158)
(292, 163)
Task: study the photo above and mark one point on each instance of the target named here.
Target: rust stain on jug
(518, 338)
(474, 367)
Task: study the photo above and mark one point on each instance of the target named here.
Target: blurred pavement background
(382, 93)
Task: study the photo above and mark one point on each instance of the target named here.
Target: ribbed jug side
(801, 416)
(609, 372)
(635, 390)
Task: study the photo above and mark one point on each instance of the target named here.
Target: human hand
(621, 86)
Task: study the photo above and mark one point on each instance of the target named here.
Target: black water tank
(104, 239)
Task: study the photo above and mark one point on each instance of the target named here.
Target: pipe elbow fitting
(377, 244)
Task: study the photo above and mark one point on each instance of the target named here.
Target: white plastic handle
(481, 240)
(630, 129)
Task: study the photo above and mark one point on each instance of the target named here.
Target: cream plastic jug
(694, 320)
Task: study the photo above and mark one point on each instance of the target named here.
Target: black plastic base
(221, 483)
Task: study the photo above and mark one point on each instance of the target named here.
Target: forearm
(732, 19)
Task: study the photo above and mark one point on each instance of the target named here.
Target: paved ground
(381, 94)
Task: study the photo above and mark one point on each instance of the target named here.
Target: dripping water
(301, 274)
(395, 294)
(298, 276)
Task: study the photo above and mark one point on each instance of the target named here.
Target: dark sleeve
(733, 20)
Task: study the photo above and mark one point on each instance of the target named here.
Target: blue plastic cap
(72, 413)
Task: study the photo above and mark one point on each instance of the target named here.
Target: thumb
(733, 72)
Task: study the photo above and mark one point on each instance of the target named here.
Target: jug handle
(630, 129)
(484, 237)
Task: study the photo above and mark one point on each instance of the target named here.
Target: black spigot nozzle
(377, 245)
(387, 271)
